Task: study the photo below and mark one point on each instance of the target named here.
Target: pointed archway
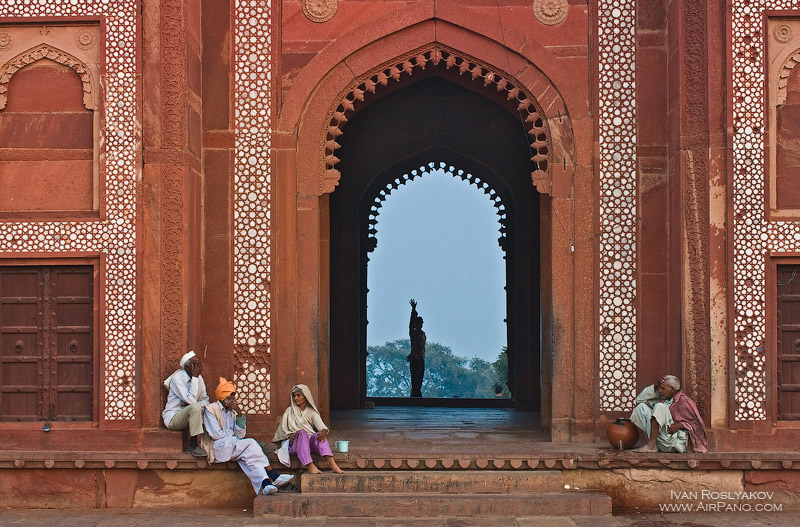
(433, 118)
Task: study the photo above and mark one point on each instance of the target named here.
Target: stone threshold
(563, 460)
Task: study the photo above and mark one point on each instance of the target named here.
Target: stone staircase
(430, 493)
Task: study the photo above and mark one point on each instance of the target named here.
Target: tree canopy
(446, 374)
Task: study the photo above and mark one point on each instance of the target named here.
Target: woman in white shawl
(302, 425)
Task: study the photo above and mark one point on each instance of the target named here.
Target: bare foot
(334, 467)
(312, 469)
(646, 448)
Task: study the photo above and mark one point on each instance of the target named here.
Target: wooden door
(788, 360)
(46, 352)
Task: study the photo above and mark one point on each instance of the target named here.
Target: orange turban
(224, 388)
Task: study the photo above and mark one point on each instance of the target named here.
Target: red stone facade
(189, 152)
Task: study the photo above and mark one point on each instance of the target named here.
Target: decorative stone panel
(754, 234)
(783, 79)
(28, 44)
(114, 235)
(252, 172)
(616, 20)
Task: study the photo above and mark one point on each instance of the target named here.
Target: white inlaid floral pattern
(115, 235)
(252, 169)
(753, 236)
(616, 21)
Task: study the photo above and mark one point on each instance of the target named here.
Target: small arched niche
(48, 135)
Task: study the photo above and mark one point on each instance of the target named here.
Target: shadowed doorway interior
(433, 120)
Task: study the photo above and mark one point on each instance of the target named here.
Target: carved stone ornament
(320, 10)
(782, 33)
(5, 41)
(550, 12)
(45, 51)
(85, 39)
(783, 76)
(537, 126)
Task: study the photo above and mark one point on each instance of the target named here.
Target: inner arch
(437, 240)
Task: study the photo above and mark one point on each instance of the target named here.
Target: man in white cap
(186, 401)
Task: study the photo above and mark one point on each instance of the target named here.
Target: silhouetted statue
(416, 358)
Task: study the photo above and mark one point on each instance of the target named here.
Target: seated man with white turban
(186, 400)
(668, 419)
(226, 426)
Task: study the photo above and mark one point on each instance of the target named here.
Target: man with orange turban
(226, 426)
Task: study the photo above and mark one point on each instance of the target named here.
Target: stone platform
(473, 494)
(400, 441)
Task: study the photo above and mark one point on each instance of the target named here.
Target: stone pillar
(658, 335)
(171, 192)
(689, 155)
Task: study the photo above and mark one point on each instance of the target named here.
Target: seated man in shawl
(226, 426)
(186, 400)
(302, 425)
(668, 418)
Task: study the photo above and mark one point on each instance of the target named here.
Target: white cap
(186, 358)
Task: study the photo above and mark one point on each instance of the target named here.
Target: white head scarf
(294, 419)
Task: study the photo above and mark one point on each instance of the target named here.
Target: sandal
(289, 487)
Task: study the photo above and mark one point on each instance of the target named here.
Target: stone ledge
(427, 505)
(600, 460)
(128, 460)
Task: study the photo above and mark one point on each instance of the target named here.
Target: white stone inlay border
(115, 235)
(251, 246)
(616, 23)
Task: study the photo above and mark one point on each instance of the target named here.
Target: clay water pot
(622, 433)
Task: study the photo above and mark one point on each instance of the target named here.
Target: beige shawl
(206, 442)
(294, 419)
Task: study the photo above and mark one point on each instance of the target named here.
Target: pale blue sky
(437, 243)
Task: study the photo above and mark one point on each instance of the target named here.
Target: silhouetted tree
(446, 374)
(500, 367)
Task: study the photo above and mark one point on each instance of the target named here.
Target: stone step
(422, 505)
(441, 482)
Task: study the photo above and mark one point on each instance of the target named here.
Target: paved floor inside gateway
(240, 518)
(397, 429)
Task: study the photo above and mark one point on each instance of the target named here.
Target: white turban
(186, 358)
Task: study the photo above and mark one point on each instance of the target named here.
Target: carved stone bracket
(437, 55)
(45, 51)
(783, 76)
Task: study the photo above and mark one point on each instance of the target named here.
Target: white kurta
(183, 390)
(649, 406)
(231, 445)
